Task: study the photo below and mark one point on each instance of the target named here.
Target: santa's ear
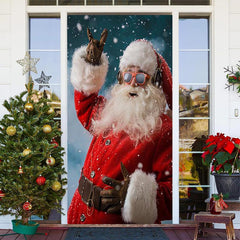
(157, 78)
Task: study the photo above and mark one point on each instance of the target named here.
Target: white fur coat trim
(86, 77)
(141, 201)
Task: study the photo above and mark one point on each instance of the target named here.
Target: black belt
(90, 193)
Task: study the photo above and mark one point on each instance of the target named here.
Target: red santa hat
(141, 53)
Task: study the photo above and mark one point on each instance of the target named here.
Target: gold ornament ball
(50, 111)
(28, 107)
(50, 161)
(47, 128)
(26, 152)
(11, 130)
(56, 186)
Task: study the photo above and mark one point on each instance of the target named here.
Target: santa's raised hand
(95, 47)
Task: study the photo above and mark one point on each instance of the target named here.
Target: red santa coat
(149, 195)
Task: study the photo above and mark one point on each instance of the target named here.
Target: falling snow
(140, 165)
(79, 27)
(120, 35)
(167, 173)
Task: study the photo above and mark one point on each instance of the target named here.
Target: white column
(64, 102)
(219, 96)
(220, 58)
(175, 114)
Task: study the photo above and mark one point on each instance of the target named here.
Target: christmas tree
(31, 163)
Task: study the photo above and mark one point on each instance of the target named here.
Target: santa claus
(127, 174)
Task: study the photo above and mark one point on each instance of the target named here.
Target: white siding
(5, 55)
(12, 47)
(234, 57)
(5, 7)
(4, 77)
(5, 46)
(234, 6)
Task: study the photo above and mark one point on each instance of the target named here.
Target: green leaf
(222, 157)
(7, 105)
(237, 146)
(238, 163)
(238, 89)
(211, 148)
(208, 159)
(227, 167)
(216, 196)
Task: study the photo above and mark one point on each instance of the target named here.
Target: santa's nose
(133, 82)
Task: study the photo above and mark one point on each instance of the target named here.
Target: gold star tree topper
(28, 63)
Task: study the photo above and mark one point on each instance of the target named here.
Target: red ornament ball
(55, 143)
(41, 180)
(2, 194)
(27, 206)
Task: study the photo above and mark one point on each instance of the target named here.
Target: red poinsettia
(222, 153)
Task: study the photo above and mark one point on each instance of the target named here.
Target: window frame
(176, 12)
(85, 2)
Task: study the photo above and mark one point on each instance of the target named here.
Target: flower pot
(228, 184)
(28, 229)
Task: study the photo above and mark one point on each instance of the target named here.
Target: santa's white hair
(135, 110)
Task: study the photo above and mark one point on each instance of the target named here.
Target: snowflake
(79, 27)
(115, 40)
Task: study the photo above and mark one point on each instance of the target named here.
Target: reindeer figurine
(95, 47)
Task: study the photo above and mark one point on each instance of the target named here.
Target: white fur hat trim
(139, 53)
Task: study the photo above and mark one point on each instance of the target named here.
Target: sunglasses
(140, 78)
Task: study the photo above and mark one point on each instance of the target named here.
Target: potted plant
(31, 159)
(221, 154)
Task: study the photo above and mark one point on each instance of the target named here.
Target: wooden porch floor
(174, 232)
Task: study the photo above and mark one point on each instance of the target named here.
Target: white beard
(138, 116)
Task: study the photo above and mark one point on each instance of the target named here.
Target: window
(193, 114)
(44, 43)
(119, 2)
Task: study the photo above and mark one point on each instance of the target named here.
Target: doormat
(116, 233)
